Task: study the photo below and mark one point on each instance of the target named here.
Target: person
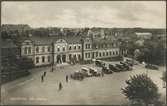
(60, 86)
(66, 78)
(102, 73)
(42, 78)
(44, 74)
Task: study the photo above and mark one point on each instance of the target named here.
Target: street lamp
(52, 64)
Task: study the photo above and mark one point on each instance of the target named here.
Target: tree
(141, 89)
(25, 63)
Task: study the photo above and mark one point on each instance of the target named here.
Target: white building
(57, 50)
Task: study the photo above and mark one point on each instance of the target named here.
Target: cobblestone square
(94, 90)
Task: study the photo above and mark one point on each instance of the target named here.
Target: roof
(49, 40)
(7, 43)
(143, 33)
(99, 41)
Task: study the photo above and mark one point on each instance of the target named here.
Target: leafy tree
(25, 63)
(141, 89)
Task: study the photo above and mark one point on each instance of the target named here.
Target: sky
(146, 14)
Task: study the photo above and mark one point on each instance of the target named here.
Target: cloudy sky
(148, 14)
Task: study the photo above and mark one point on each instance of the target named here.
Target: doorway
(64, 58)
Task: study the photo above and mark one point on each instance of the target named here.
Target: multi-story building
(57, 50)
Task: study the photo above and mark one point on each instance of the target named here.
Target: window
(58, 49)
(116, 52)
(48, 58)
(86, 46)
(113, 53)
(110, 53)
(96, 54)
(37, 59)
(100, 54)
(79, 57)
(103, 53)
(70, 56)
(29, 50)
(74, 47)
(88, 55)
(106, 53)
(43, 59)
(43, 49)
(79, 47)
(112, 44)
(37, 49)
(70, 48)
(63, 48)
(48, 49)
(25, 50)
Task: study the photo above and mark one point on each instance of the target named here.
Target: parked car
(113, 68)
(94, 71)
(151, 66)
(86, 72)
(129, 62)
(99, 63)
(121, 67)
(126, 66)
(106, 70)
(77, 75)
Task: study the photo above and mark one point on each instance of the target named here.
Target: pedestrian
(42, 78)
(44, 74)
(66, 78)
(102, 74)
(60, 86)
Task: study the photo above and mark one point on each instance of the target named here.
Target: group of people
(60, 84)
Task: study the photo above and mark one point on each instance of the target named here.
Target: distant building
(143, 35)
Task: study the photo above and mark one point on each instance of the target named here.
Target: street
(91, 91)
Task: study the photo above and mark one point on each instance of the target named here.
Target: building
(58, 49)
(143, 35)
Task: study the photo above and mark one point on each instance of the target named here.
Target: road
(91, 91)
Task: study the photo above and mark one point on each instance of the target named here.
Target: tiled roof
(49, 40)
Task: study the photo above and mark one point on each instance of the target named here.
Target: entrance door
(64, 58)
(59, 59)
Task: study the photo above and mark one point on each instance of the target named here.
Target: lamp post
(82, 44)
(52, 64)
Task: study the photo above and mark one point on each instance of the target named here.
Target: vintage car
(99, 63)
(86, 72)
(121, 67)
(77, 75)
(127, 66)
(106, 70)
(94, 71)
(151, 66)
(113, 68)
(129, 62)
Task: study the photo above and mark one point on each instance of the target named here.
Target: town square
(83, 53)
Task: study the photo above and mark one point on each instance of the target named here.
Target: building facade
(58, 50)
